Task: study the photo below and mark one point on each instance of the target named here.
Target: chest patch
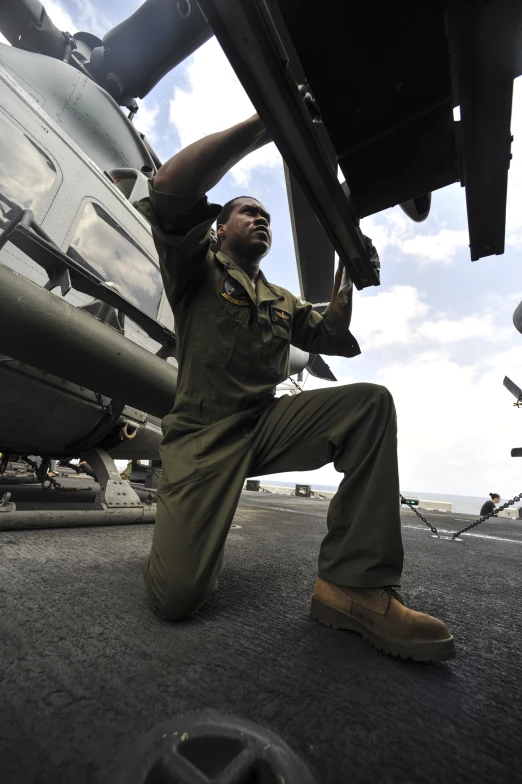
(234, 292)
(280, 316)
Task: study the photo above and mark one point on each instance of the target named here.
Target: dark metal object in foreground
(207, 748)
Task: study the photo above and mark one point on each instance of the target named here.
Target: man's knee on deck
(177, 604)
(175, 599)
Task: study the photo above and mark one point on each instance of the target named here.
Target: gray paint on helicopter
(84, 135)
(80, 179)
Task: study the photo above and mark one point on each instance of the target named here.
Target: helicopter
(87, 341)
(93, 252)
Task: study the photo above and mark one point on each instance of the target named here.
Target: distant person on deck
(489, 506)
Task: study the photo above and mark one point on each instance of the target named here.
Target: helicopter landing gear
(113, 502)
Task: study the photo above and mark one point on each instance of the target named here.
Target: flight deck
(87, 669)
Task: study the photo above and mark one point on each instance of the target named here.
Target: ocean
(462, 504)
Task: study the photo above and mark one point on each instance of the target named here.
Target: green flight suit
(226, 424)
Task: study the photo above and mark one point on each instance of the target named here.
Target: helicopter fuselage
(69, 154)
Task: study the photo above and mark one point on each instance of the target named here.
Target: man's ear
(220, 230)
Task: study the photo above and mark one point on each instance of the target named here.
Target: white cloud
(145, 120)
(440, 246)
(396, 237)
(457, 422)
(80, 15)
(60, 16)
(456, 425)
(480, 326)
(514, 239)
(400, 316)
(461, 413)
(212, 101)
(387, 317)
(509, 361)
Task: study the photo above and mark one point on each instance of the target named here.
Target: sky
(438, 331)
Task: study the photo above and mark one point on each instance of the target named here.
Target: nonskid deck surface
(86, 668)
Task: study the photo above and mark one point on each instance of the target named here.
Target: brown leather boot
(380, 616)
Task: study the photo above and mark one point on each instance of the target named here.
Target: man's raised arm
(198, 167)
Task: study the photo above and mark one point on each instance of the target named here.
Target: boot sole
(439, 650)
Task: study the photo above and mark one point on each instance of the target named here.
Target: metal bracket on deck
(114, 491)
(6, 505)
(450, 538)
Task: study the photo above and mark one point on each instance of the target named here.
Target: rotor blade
(26, 25)
(317, 367)
(139, 51)
(513, 388)
(314, 252)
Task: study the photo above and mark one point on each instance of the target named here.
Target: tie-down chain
(480, 520)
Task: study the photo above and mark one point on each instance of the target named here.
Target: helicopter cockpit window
(102, 246)
(27, 175)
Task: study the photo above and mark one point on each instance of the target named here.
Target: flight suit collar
(263, 292)
(266, 291)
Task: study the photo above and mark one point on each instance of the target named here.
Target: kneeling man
(234, 331)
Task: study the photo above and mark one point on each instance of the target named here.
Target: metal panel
(40, 413)
(484, 37)
(250, 39)
(380, 74)
(315, 254)
(85, 112)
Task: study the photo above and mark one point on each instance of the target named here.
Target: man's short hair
(224, 215)
(226, 210)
